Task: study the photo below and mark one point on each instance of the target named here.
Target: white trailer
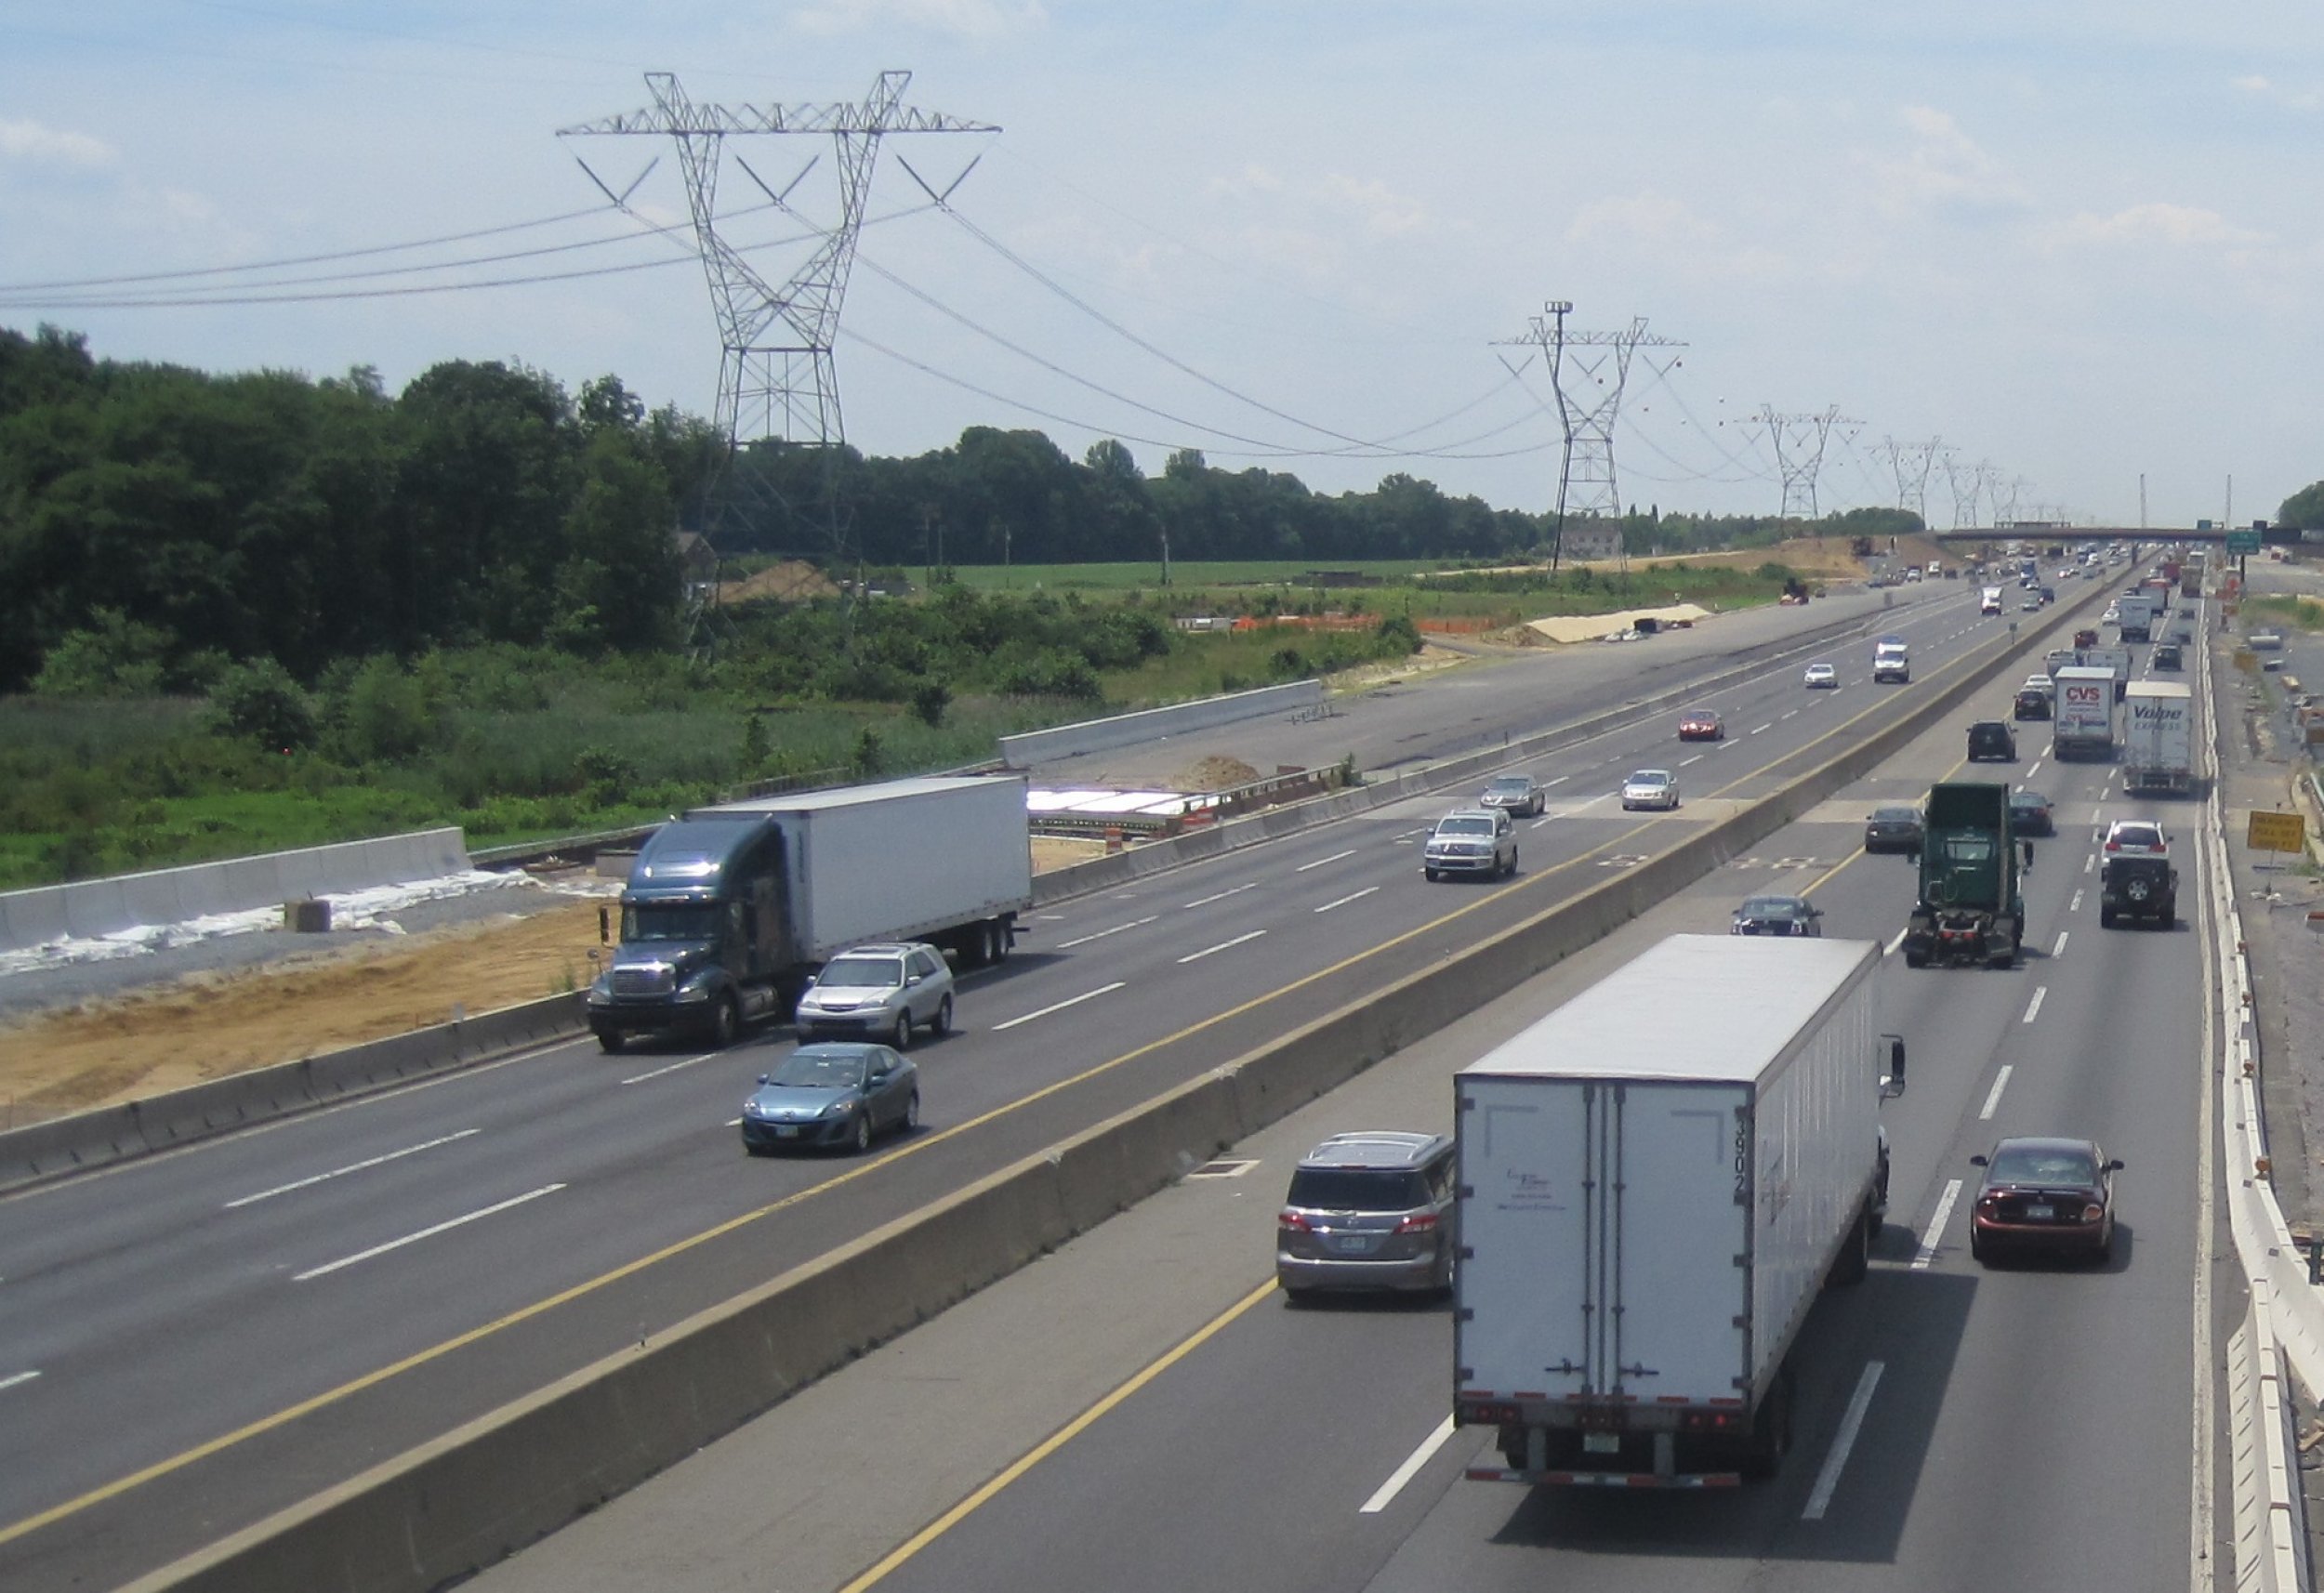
(2159, 737)
(2136, 616)
(2084, 725)
(1655, 1180)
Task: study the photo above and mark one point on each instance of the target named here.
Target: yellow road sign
(2276, 832)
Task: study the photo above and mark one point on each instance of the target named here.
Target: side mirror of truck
(1893, 1080)
(605, 926)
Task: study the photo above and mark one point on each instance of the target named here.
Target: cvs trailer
(2085, 723)
(1654, 1182)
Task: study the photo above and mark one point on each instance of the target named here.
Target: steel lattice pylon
(1589, 403)
(1911, 462)
(1798, 441)
(777, 378)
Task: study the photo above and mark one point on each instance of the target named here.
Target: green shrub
(259, 703)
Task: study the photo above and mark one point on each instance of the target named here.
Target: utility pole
(778, 381)
(1911, 461)
(2141, 500)
(2227, 515)
(1797, 442)
(1589, 389)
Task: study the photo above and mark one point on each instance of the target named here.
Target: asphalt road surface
(195, 1340)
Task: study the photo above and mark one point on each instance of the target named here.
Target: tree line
(159, 523)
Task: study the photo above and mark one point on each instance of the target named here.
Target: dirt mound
(793, 581)
(1214, 774)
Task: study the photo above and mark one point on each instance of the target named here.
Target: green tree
(260, 702)
(2304, 509)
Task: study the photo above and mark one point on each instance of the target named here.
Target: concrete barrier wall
(1152, 724)
(178, 1118)
(88, 908)
(481, 1493)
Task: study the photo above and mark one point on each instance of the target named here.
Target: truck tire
(1771, 1431)
(726, 1022)
(1431, 873)
(1914, 958)
(608, 1040)
(943, 1022)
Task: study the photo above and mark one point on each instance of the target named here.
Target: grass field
(2305, 612)
(1185, 575)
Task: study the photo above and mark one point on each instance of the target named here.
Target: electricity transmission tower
(1589, 388)
(1956, 472)
(778, 379)
(1911, 462)
(1798, 441)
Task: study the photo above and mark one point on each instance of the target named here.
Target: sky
(2079, 244)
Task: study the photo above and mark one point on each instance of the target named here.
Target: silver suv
(1371, 1210)
(878, 993)
(1471, 840)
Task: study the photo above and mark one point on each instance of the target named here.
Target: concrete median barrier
(1153, 724)
(448, 1508)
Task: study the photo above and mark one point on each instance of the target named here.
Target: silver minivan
(1368, 1210)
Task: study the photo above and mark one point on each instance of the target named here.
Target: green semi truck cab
(1969, 907)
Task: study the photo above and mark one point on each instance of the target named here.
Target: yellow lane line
(1055, 1442)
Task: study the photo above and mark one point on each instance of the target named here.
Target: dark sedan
(1892, 830)
(832, 1094)
(2029, 814)
(2044, 1194)
(1777, 916)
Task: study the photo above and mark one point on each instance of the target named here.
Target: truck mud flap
(1606, 1479)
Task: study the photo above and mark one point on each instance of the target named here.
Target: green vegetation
(2305, 612)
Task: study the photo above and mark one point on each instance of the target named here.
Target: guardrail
(438, 1512)
(2286, 1317)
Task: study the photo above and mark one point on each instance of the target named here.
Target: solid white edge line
(2033, 1007)
(1059, 1007)
(1933, 1234)
(444, 1227)
(1993, 1096)
(351, 1167)
(671, 1068)
(28, 1377)
(1345, 899)
(1893, 941)
(1819, 1499)
(1388, 1491)
(1319, 862)
(1223, 945)
(1133, 924)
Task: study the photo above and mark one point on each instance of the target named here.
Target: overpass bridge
(2054, 532)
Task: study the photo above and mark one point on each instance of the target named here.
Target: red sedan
(1702, 724)
(2044, 1194)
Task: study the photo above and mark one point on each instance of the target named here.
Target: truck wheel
(1771, 1433)
(1431, 873)
(1916, 959)
(942, 1024)
(1000, 940)
(901, 1038)
(609, 1041)
(726, 1022)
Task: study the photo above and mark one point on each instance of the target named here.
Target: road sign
(2276, 832)
(2243, 542)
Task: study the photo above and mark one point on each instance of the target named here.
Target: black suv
(2167, 655)
(1992, 739)
(2142, 887)
(2031, 704)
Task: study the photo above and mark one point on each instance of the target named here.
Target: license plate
(787, 1131)
(1602, 1443)
(1353, 1241)
(2040, 1213)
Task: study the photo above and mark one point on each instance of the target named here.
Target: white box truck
(1891, 660)
(730, 909)
(1654, 1181)
(2084, 724)
(2159, 737)
(2136, 616)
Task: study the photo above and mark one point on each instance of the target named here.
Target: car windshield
(1464, 828)
(2052, 1165)
(1772, 907)
(2027, 799)
(861, 973)
(1649, 777)
(809, 1068)
(2137, 835)
(1513, 786)
(1356, 1189)
(670, 921)
(1895, 816)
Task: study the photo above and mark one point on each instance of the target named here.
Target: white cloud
(1944, 169)
(1385, 212)
(2173, 225)
(35, 145)
(2261, 88)
(1649, 218)
(2255, 83)
(973, 19)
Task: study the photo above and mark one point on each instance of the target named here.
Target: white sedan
(1821, 676)
(1650, 788)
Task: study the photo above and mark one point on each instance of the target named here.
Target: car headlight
(601, 990)
(839, 1108)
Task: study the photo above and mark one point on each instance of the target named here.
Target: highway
(1143, 1411)
(197, 1339)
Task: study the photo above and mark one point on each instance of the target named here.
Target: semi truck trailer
(2159, 737)
(2085, 724)
(730, 909)
(1654, 1182)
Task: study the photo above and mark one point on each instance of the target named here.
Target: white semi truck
(1655, 1181)
(2084, 726)
(2159, 737)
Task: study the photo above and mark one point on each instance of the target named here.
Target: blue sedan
(832, 1094)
